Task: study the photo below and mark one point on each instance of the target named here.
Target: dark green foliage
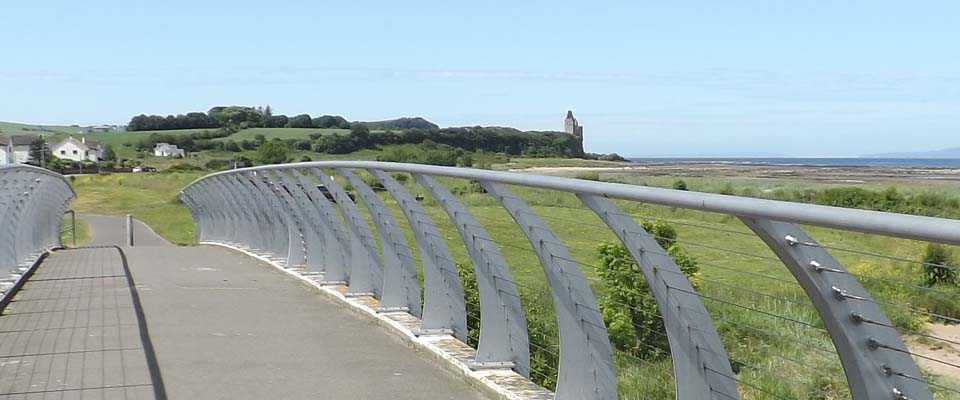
(186, 142)
(183, 167)
(335, 144)
(402, 123)
(109, 154)
(629, 309)
(230, 145)
(679, 184)
(275, 121)
(218, 164)
(194, 120)
(937, 266)
(300, 121)
(273, 152)
(331, 121)
(439, 155)
(39, 153)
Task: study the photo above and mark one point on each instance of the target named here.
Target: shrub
(629, 309)
(183, 167)
(679, 184)
(936, 266)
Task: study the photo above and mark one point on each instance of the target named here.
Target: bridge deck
(222, 325)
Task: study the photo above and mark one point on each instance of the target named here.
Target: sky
(679, 78)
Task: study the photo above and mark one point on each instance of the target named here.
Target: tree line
(234, 117)
(239, 117)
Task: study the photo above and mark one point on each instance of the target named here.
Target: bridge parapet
(717, 333)
(32, 203)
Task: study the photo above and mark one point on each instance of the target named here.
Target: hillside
(13, 128)
(214, 148)
(401, 124)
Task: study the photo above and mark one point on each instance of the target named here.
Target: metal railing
(729, 330)
(32, 203)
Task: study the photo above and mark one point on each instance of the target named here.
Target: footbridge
(363, 280)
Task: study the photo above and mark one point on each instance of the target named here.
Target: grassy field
(13, 128)
(766, 321)
(151, 198)
(82, 231)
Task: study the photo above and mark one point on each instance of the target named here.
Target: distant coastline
(818, 162)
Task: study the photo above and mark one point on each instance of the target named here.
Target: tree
(259, 140)
(39, 153)
(300, 121)
(360, 135)
(273, 152)
(109, 154)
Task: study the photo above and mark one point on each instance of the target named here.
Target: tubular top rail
(876, 222)
(277, 212)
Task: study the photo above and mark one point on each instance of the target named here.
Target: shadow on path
(227, 326)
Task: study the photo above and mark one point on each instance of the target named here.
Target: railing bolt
(791, 240)
(816, 266)
(872, 343)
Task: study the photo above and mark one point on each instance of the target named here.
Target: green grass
(13, 128)
(791, 360)
(82, 231)
(151, 198)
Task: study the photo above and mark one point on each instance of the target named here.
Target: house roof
(17, 140)
(90, 144)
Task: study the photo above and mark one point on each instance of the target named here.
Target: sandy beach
(844, 174)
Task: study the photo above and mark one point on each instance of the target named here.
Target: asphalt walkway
(226, 326)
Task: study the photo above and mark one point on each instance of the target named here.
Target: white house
(167, 150)
(82, 150)
(15, 149)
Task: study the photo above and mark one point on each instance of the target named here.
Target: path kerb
(452, 354)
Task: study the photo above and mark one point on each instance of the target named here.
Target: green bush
(679, 184)
(937, 269)
(629, 309)
(183, 167)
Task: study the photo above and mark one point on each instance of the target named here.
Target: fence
(32, 203)
(709, 296)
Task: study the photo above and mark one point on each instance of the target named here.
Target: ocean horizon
(807, 161)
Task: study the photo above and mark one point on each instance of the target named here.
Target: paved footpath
(221, 326)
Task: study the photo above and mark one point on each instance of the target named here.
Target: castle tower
(571, 126)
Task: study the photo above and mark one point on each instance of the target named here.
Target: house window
(74, 152)
(63, 152)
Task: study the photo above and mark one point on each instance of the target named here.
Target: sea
(819, 162)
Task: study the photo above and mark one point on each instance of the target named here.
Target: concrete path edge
(482, 380)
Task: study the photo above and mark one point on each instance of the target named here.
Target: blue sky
(797, 78)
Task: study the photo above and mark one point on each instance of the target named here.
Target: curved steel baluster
(694, 351)
(503, 326)
(870, 349)
(367, 275)
(586, 368)
(444, 308)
